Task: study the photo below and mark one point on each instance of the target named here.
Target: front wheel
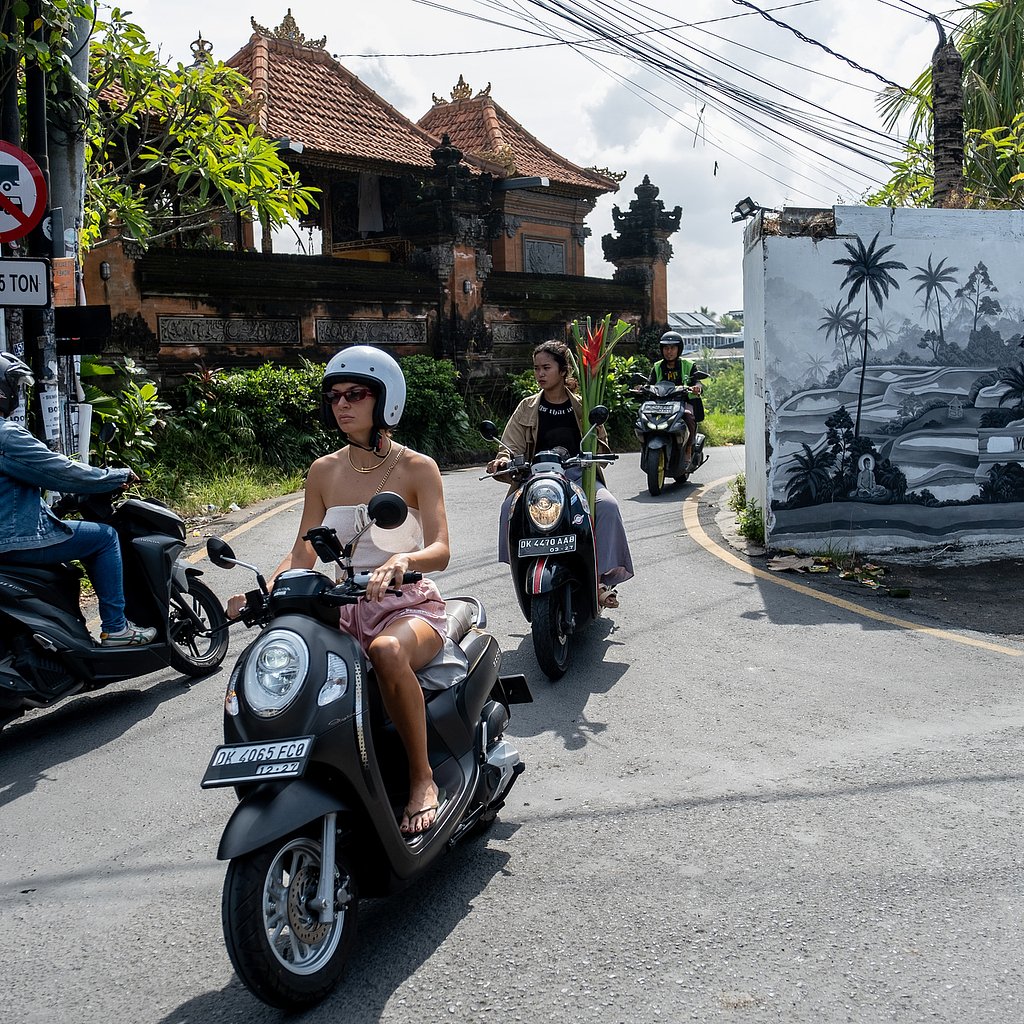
(278, 946)
(656, 472)
(191, 652)
(550, 634)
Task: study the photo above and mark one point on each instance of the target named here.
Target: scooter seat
(57, 573)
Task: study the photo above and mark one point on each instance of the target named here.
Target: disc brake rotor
(304, 924)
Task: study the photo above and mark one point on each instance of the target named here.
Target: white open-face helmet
(365, 364)
(14, 372)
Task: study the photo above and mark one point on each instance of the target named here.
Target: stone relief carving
(543, 257)
(580, 233)
(330, 331)
(511, 225)
(216, 330)
(525, 334)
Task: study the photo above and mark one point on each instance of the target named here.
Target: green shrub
(724, 392)
(122, 394)
(435, 420)
(749, 516)
(722, 428)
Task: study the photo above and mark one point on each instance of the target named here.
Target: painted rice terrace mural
(895, 391)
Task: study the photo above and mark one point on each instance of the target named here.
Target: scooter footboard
(271, 812)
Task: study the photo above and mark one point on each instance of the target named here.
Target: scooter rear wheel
(550, 634)
(656, 473)
(191, 653)
(280, 950)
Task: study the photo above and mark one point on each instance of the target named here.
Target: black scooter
(662, 431)
(46, 651)
(322, 774)
(551, 546)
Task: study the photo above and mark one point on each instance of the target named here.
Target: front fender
(270, 812)
(653, 444)
(545, 575)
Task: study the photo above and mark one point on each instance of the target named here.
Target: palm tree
(991, 44)
(866, 269)
(816, 370)
(808, 483)
(837, 323)
(933, 284)
(1013, 377)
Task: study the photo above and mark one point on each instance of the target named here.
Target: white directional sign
(22, 193)
(24, 283)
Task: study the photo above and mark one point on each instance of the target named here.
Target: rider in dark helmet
(672, 368)
(30, 534)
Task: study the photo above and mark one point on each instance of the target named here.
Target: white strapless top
(375, 546)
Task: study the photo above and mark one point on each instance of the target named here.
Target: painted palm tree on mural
(837, 323)
(809, 481)
(933, 283)
(817, 370)
(1013, 378)
(867, 271)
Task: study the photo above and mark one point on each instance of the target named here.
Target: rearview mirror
(489, 430)
(598, 415)
(220, 553)
(387, 510)
(107, 432)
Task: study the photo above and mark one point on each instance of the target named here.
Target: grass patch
(722, 428)
(191, 496)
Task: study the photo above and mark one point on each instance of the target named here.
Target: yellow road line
(200, 554)
(692, 523)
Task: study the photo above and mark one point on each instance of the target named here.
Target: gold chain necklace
(372, 469)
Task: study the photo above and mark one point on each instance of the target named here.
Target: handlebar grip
(412, 577)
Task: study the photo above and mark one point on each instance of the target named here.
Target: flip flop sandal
(608, 598)
(410, 815)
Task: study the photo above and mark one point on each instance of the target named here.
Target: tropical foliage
(991, 44)
(169, 150)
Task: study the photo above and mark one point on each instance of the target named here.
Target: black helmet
(13, 374)
(367, 364)
(672, 338)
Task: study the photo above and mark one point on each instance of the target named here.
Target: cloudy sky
(706, 147)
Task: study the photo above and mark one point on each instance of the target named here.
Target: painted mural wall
(888, 366)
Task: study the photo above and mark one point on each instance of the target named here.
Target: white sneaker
(130, 636)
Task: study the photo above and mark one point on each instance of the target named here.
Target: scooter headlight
(544, 504)
(275, 671)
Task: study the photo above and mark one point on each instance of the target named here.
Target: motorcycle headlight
(275, 671)
(544, 504)
(336, 683)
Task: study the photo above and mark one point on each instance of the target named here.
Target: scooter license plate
(547, 545)
(660, 408)
(258, 762)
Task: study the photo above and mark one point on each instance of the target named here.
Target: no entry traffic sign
(22, 193)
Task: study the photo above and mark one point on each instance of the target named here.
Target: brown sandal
(607, 597)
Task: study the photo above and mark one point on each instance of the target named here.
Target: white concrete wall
(940, 451)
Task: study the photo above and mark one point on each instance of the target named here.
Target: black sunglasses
(351, 396)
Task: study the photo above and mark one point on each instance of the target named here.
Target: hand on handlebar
(498, 464)
(387, 577)
(235, 606)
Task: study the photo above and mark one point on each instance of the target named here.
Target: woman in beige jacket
(553, 418)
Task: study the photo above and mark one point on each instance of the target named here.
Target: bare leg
(406, 645)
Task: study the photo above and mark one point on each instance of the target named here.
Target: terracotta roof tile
(479, 126)
(309, 97)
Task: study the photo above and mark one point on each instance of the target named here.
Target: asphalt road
(744, 803)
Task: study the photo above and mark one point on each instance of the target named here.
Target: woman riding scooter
(401, 633)
(31, 535)
(553, 418)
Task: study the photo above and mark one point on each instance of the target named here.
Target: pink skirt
(365, 619)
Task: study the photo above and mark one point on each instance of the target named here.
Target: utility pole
(39, 327)
(12, 333)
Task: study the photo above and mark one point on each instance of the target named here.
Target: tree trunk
(948, 139)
